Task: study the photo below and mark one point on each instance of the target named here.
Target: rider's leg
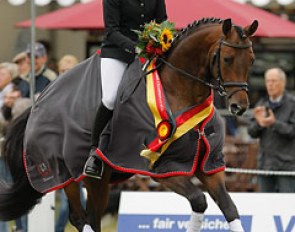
(94, 165)
(111, 75)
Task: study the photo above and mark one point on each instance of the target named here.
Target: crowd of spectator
(16, 97)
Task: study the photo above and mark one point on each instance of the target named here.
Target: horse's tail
(17, 198)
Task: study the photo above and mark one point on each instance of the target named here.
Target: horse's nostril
(236, 109)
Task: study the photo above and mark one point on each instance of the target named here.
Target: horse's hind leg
(183, 186)
(77, 215)
(215, 185)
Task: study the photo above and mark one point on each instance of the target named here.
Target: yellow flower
(161, 36)
(166, 39)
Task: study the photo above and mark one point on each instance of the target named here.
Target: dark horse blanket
(57, 139)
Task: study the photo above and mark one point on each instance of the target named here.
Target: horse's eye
(228, 60)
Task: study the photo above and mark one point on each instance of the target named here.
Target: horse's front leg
(215, 185)
(184, 186)
(77, 214)
(97, 198)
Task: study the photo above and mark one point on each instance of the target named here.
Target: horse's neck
(183, 93)
(191, 56)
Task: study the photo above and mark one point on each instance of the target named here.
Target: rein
(222, 85)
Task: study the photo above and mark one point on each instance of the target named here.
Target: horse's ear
(251, 29)
(226, 27)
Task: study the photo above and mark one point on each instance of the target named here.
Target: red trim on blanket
(196, 159)
(220, 169)
(64, 184)
(136, 171)
(60, 186)
(206, 142)
(208, 149)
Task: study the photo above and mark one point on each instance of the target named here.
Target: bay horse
(208, 54)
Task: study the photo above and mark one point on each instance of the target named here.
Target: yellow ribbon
(153, 82)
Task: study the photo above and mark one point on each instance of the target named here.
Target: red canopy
(79, 16)
(89, 16)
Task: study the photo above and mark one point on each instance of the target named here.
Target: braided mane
(193, 27)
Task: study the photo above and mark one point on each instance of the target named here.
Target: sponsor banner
(169, 212)
(173, 223)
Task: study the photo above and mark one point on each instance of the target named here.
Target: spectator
(274, 125)
(8, 95)
(3, 177)
(8, 71)
(14, 88)
(51, 61)
(23, 62)
(9, 100)
(22, 81)
(66, 63)
(43, 75)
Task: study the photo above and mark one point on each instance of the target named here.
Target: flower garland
(155, 39)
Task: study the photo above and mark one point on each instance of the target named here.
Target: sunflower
(166, 39)
(155, 39)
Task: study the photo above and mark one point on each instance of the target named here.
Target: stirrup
(94, 167)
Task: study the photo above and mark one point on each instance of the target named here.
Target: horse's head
(209, 54)
(232, 58)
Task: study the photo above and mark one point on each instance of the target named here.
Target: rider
(121, 17)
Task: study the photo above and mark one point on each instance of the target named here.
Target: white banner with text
(169, 212)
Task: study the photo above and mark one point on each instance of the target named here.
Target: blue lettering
(182, 224)
(279, 224)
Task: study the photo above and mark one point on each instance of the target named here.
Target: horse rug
(143, 137)
(133, 141)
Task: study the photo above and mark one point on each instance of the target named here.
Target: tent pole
(33, 35)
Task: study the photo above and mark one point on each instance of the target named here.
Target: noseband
(221, 84)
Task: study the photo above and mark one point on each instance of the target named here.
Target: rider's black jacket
(123, 16)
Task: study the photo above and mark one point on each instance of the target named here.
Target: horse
(209, 54)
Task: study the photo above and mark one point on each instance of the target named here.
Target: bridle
(221, 84)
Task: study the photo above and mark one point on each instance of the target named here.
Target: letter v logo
(279, 225)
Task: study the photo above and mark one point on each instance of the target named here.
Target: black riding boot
(94, 165)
